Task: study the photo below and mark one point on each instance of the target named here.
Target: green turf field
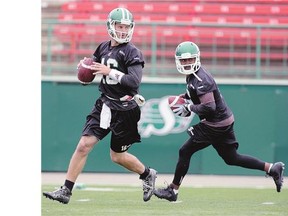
(123, 201)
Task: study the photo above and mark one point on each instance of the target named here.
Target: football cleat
(149, 185)
(62, 194)
(166, 193)
(276, 173)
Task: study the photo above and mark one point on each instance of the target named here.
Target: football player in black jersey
(215, 127)
(117, 110)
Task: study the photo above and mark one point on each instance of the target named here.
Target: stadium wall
(261, 126)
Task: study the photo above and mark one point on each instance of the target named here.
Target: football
(85, 75)
(175, 100)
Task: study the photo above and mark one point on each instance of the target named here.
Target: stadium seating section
(232, 40)
(193, 11)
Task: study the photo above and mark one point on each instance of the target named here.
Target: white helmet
(122, 16)
(186, 50)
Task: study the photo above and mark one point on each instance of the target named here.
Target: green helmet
(122, 16)
(187, 50)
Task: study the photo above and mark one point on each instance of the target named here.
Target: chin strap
(197, 76)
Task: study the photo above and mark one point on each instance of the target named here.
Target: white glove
(140, 100)
(183, 110)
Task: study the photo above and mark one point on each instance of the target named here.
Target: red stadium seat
(247, 1)
(181, 18)
(201, 8)
(88, 32)
(135, 7)
(223, 37)
(271, 12)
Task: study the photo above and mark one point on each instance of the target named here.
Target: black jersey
(196, 88)
(125, 58)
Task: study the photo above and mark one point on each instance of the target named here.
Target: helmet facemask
(120, 16)
(188, 68)
(187, 50)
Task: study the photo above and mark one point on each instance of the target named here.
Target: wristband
(116, 75)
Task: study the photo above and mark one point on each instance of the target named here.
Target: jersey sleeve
(134, 57)
(207, 85)
(98, 52)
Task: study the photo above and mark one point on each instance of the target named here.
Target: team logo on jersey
(122, 53)
(158, 119)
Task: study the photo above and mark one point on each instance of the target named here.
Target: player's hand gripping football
(100, 69)
(183, 110)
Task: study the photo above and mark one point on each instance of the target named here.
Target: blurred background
(244, 44)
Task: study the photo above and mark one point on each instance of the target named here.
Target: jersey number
(110, 62)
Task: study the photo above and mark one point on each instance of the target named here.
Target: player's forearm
(131, 80)
(206, 107)
(203, 109)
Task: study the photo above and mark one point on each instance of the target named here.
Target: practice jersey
(196, 88)
(125, 58)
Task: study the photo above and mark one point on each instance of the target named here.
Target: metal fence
(227, 51)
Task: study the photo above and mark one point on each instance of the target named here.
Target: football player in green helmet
(116, 111)
(187, 58)
(216, 126)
